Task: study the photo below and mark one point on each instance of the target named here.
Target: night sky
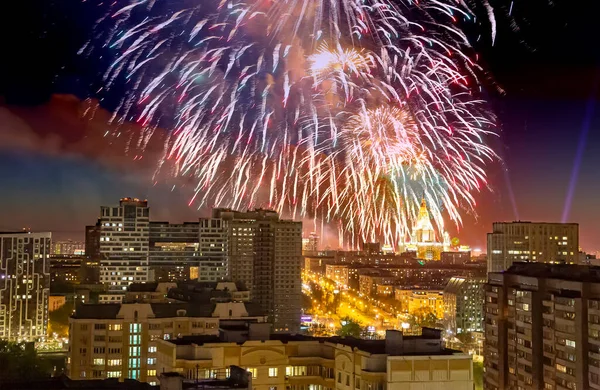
(56, 169)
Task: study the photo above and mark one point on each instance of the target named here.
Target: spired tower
(423, 238)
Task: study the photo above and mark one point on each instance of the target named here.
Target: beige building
(532, 241)
(55, 302)
(338, 273)
(542, 327)
(120, 340)
(367, 284)
(296, 362)
(412, 300)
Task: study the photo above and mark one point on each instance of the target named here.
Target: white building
(213, 250)
(124, 240)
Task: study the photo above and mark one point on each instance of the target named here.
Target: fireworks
(348, 112)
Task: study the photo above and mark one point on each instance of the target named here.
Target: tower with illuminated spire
(423, 238)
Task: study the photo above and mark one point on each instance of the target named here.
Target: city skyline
(44, 141)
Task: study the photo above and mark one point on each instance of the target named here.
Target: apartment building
(368, 282)
(338, 273)
(213, 243)
(464, 299)
(24, 285)
(414, 299)
(120, 340)
(542, 327)
(124, 238)
(265, 253)
(532, 241)
(298, 362)
(173, 250)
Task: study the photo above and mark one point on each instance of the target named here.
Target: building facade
(414, 299)
(464, 299)
(298, 362)
(124, 239)
(338, 273)
(214, 233)
(423, 239)
(265, 253)
(531, 241)
(542, 327)
(68, 248)
(120, 340)
(173, 250)
(24, 285)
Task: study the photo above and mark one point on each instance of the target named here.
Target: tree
(423, 317)
(20, 360)
(349, 327)
(59, 320)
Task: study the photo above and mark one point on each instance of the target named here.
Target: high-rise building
(173, 249)
(542, 327)
(213, 249)
(423, 239)
(92, 242)
(24, 285)
(265, 253)
(464, 299)
(124, 242)
(531, 241)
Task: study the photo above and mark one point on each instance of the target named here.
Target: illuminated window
(272, 372)
(253, 371)
(114, 327)
(151, 349)
(151, 361)
(114, 362)
(99, 361)
(151, 372)
(113, 374)
(570, 343)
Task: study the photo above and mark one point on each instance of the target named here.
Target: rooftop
(570, 272)
(376, 347)
(160, 310)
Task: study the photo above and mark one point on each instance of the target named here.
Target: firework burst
(344, 111)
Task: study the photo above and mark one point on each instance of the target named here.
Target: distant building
(92, 242)
(338, 273)
(460, 257)
(464, 299)
(414, 299)
(423, 239)
(310, 244)
(68, 248)
(214, 249)
(121, 340)
(311, 363)
(371, 247)
(318, 263)
(124, 240)
(531, 241)
(24, 285)
(55, 302)
(173, 249)
(368, 283)
(66, 269)
(542, 327)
